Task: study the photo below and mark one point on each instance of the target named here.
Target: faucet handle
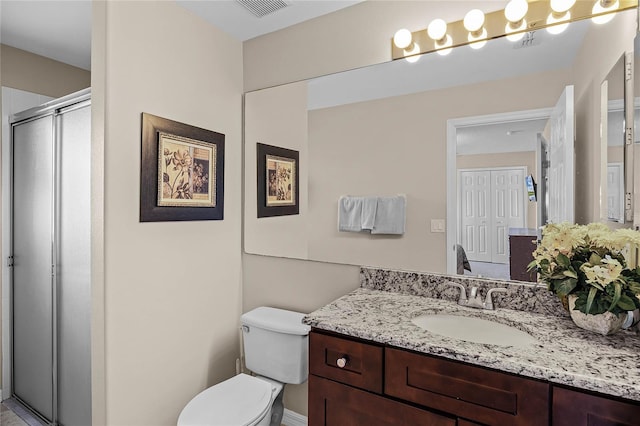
(463, 291)
(488, 304)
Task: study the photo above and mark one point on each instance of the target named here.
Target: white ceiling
(59, 30)
(234, 19)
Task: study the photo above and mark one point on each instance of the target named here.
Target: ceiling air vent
(262, 8)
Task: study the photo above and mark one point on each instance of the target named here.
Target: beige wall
(277, 117)
(506, 159)
(172, 290)
(33, 73)
(25, 71)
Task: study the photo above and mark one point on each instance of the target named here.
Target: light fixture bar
(494, 24)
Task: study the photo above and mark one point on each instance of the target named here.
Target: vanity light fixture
(474, 23)
(514, 12)
(518, 18)
(606, 7)
(437, 31)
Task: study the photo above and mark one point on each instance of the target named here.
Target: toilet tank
(276, 344)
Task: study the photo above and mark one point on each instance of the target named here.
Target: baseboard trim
(291, 418)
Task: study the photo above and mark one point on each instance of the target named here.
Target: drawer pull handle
(342, 362)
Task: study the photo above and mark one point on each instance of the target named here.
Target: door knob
(342, 362)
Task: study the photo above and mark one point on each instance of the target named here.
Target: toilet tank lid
(278, 320)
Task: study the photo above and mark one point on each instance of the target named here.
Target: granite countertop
(562, 354)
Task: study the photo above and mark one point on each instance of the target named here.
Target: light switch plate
(437, 225)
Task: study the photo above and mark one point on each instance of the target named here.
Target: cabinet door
(480, 395)
(571, 408)
(334, 404)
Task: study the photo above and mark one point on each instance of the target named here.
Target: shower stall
(51, 259)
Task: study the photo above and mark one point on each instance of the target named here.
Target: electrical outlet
(437, 225)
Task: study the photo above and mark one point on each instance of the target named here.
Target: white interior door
(561, 159)
(615, 192)
(507, 189)
(491, 202)
(475, 193)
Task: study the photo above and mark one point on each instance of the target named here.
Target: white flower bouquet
(588, 261)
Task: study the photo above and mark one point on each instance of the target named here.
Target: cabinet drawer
(572, 408)
(334, 404)
(354, 363)
(477, 394)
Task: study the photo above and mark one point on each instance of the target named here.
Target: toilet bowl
(276, 347)
(242, 400)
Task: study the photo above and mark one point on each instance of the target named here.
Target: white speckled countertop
(563, 353)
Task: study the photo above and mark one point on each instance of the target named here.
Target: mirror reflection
(411, 129)
(613, 137)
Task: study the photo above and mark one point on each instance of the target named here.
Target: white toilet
(276, 349)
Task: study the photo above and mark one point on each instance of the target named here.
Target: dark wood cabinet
(522, 243)
(475, 393)
(571, 408)
(354, 382)
(332, 403)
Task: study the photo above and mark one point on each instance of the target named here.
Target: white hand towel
(350, 214)
(369, 207)
(390, 215)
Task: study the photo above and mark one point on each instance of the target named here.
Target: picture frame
(181, 171)
(278, 181)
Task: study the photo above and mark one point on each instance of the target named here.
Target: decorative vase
(605, 323)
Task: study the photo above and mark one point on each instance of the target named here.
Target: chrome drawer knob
(341, 362)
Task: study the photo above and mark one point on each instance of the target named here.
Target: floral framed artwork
(182, 172)
(278, 181)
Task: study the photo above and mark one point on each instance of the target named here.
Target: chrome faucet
(475, 300)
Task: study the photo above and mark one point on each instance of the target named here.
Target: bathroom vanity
(370, 364)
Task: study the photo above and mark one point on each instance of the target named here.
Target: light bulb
(561, 6)
(402, 38)
(509, 30)
(444, 48)
(557, 29)
(516, 10)
(412, 55)
(478, 41)
(437, 29)
(599, 8)
(474, 20)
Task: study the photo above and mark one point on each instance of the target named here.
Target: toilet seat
(242, 400)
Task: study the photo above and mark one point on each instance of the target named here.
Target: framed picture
(278, 181)
(182, 172)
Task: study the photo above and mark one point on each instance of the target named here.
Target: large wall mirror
(386, 130)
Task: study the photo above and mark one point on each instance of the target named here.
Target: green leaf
(590, 297)
(594, 259)
(564, 287)
(570, 273)
(616, 295)
(625, 303)
(596, 285)
(563, 260)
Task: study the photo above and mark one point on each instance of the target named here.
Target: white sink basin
(472, 329)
